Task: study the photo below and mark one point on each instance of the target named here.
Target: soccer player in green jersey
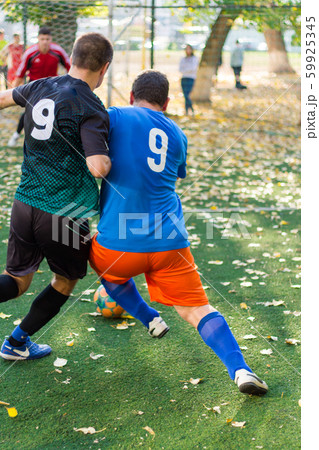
(64, 151)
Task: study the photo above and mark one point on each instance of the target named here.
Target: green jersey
(64, 124)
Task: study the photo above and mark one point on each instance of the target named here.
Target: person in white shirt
(236, 62)
(188, 67)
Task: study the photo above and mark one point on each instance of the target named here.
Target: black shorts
(35, 235)
(237, 70)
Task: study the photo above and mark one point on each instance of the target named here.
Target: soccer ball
(106, 305)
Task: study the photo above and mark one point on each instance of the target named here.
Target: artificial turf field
(139, 394)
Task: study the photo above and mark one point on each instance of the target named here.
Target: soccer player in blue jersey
(64, 151)
(142, 230)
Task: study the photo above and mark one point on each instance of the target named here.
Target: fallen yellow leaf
(60, 362)
(238, 424)
(126, 315)
(275, 303)
(12, 412)
(292, 341)
(121, 326)
(149, 430)
(267, 351)
(243, 306)
(195, 380)
(88, 430)
(4, 316)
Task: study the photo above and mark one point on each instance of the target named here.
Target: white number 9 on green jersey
(159, 151)
(43, 117)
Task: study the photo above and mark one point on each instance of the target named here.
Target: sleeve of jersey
(182, 168)
(21, 70)
(21, 94)
(94, 134)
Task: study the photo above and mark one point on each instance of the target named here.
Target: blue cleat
(29, 350)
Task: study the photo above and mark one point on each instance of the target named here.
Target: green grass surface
(147, 375)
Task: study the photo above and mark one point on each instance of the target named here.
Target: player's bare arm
(17, 82)
(6, 99)
(99, 165)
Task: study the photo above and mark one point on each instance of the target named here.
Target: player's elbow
(100, 166)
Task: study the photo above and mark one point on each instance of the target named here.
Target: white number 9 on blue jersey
(43, 116)
(162, 151)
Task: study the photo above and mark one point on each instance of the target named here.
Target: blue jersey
(140, 210)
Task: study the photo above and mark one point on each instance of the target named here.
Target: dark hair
(151, 86)
(191, 47)
(44, 30)
(92, 51)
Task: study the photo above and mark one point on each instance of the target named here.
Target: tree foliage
(275, 14)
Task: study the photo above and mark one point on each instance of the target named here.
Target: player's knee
(62, 284)
(22, 282)
(185, 312)
(194, 314)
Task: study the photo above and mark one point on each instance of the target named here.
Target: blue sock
(216, 333)
(127, 296)
(19, 335)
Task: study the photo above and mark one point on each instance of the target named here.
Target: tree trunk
(211, 56)
(278, 57)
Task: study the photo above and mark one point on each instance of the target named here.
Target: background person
(41, 60)
(64, 151)
(236, 62)
(13, 52)
(3, 59)
(143, 230)
(188, 67)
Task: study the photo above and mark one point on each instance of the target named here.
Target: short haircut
(151, 86)
(44, 30)
(92, 51)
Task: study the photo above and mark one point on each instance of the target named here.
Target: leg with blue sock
(46, 306)
(128, 297)
(216, 333)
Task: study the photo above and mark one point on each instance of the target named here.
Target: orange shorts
(171, 276)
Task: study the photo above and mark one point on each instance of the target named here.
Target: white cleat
(157, 328)
(249, 383)
(13, 140)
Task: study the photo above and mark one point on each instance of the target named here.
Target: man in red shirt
(41, 60)
(13, 52)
